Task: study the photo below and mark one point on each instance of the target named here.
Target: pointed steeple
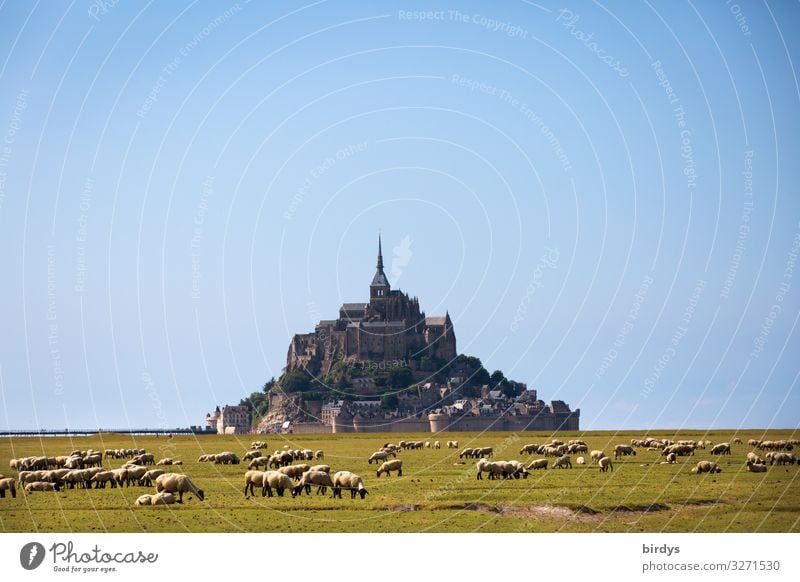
(379, 281)
(380, 254)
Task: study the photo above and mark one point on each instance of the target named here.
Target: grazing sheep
(281, 459)
(278, 481)
(721, 449)
(380, 456)
(151, 475)
(623, 451)
(528, 449)
(437, 445)
(483, 467)
(753, 442)
(782, 459)
(580, 461)
(250, 455)
(7, 484)
(605, 464)
(321, 479)
(294, 471)
(319, 455)
(672, 459)
(737, 441)
(486, 452)
(226, 458)
(177, 483)
(100, 479)
(348, 480)
(41, 486)
(389, 466)
(537, 464)
(564, 462)
(258, 462)
(134, 474)
(253, 478)
(596, 455)
(323, 468)
(754, 459)
(452, 444)
(756, 467)
(467, 452)
(706, 467)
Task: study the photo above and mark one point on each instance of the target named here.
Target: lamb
(389, 466)
(348, 480)
(721, 449)
(319, 478)
(706, 467)
(8, 484)
(756, 467)
(278, 481)
(41, 486)
(177, 483)
(437, 445)
(596, 455)
(427, 444)
(623, 451)
(605, 464)
(380, 456)
(580, 461)
(537, 464)
(564, 462)
(295, 471)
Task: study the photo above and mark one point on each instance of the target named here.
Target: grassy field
(436, 493)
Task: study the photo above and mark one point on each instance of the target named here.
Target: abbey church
(388, 328)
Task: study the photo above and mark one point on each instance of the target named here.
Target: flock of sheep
(287, 470)
(84, 470)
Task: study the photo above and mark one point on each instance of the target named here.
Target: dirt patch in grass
(703, 502)
(411, 507)
(652, 508)
(544, 512)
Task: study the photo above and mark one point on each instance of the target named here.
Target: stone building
(390, 327)
(229, 420)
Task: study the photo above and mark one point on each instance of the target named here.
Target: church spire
(380, 254)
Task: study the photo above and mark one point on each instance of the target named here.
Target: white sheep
(348, 480)
(623, 451)
(253, 478)
(721, 449)
(323, 468)
(321, 479)
(278, 481)
(41, 486)
(319, 455)
(706, 467)
(756, 467)
(104, 477)
(580, 461)
(8, 484)
(389, 466)
(258, 462)
(380, 456)
(563, 462)
(437, 445)
(162, 498)
(148, 478)
(605, 464)
(294, 471)
(537, 464)
(483, 467)
(177, 483)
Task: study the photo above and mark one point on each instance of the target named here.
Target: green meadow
(438, 492)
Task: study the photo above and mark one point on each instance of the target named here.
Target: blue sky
(603, 195)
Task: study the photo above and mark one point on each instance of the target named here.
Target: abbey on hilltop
(388, 329)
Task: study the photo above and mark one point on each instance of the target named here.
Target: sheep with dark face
(321, 479)
(537, 464)
(605, 464)
(350, 481)
(8, 484)
(721, 449)
(623, 451)
(706, 467)
(177, 483)
(563, 462)
(278, 481)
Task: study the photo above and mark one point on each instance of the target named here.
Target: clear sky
(603, 195)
